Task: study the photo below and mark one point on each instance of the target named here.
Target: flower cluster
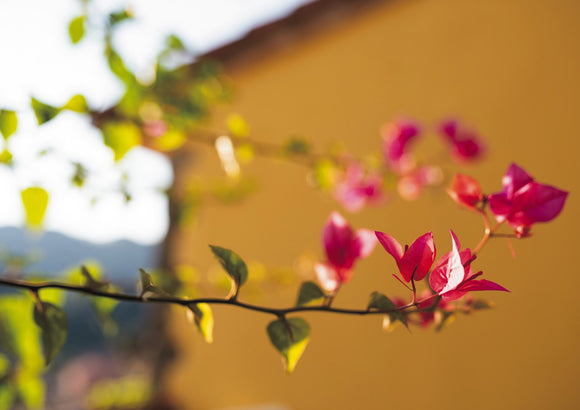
(356, 186)
(521, 203)
(449, 279)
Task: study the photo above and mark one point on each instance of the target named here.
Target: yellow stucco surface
(508, 68)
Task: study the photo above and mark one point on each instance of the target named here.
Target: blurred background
(335, 71)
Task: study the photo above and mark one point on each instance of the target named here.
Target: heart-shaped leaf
(232, 263)
(53, 325)
(203, 318)
(289, 337)
(309, 293)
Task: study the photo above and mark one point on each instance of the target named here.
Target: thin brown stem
(488, 233)
(38, 286)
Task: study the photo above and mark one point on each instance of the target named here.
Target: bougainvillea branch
(448, 280)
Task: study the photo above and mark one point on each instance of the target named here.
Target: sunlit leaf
(324, 174)
(128, 392)
(42, 111)
(120, 16)
(53, 325)
(90, 280)
(309, 293)
(19, 336)
(203, 318)
(289, 337)
(245, 153)
(121, 137)
(77, 103)
(6, 156)
(76, 29)
(237, 126)
(170, 141)
(8, 123)
(80, 174)
(31, 389)
(118, 67)
(35, 201)
(234, 265)
(7, 396)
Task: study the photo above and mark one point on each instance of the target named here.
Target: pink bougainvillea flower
(356, 188)
(343, 247)
(452, 277)
(465, 144)
(414, 261)
(465, 191)
(523, 202)
(397, 136)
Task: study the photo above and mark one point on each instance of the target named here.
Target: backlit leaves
(234, 265)
(76, 29)
(309, 293)
(8, 123)
(289, 337)
(51, 320)
(77, 103)
(43, 112)
(203, 318)
(35, 201)
(121, 137)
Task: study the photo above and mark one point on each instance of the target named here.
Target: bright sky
(37, 59)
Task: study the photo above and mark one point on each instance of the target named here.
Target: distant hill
(55, 252)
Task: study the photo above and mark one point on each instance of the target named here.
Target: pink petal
(418, 258)
(499, 205)
(327, 276)
(465, 190)
(481, 284)
(336, 238)
(364, 243)
(539, 203)
(391, 245)
(455, 272)
(515, 178)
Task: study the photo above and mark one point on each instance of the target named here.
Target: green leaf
(31, 389)
(35, 201)
(76, 29)
(7, 396)
(382, 303)
(91, 282)
(232, 263)
(77, 103)
(53, 325)
(19, 336)
(482, 304)
(8, 123)
(147, 287)
(120, 16)
(43, 112)
(118, 67)
(289, 337)
(237, 126)
(121, 137)
(296, 146)
(324, 174)
(309, 293)
(203, 318)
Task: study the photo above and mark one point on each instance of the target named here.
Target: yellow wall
(509, 68)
